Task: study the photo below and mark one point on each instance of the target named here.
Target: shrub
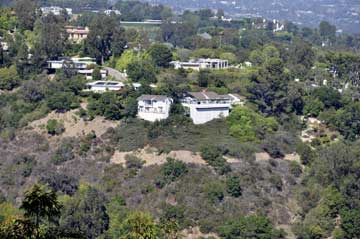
(233, 186)
(214, 191)
(61, 182)
(276, 181)
(213, 156)
(133, 162)
(295, 168)
(170, 171)
(65, 151)
(307, 155)
(54, 127)
(62, 101)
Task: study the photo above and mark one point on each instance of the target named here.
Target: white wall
(201, 115)
(154, 113)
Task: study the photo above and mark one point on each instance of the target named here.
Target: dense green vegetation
(54, 186)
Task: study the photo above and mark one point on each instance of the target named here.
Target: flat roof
(153, 97)
(207, 95)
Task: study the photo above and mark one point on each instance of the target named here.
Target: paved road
(116, 74)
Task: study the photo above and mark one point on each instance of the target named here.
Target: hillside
(196, 127)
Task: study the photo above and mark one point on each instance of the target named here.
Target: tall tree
(270, 87)
(41, 206)
(26, 12)
(106, 38)
(161, 55)
(51, 36)
(85, 214)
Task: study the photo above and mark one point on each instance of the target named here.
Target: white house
(55, 10)
(110, 11)
(202, 63)
(82, 65)
(204, 106)
(103, 86)
(154, 107)
(77, 34)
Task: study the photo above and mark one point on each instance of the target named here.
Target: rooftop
(153, 97)
(207, 95)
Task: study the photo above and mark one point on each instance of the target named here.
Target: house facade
(83, 66)
(154, 107)
(55, 10)
(103, 86)
(203, 107)
(77, 34)
(202, 63)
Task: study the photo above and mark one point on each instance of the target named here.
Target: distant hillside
(344, 14)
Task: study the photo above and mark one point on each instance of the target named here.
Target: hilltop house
(103, 86)
(55, 10)
(202, 63)
(204, 106)
(83, 66)
(154, 107)
(77, 34)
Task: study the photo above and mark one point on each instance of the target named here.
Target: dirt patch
(195, 233)
(151, 156)
(292, 157)
(74, 125)
(263, 156)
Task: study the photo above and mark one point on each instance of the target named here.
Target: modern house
(154, 107)
(55, 10)
(103, 86)
(205, 106)
(77, 34)
(202, 63)
(111, 11)
(83, 66)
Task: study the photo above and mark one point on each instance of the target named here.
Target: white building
(103, 86)
(154, 107)
(202, 63)
(77, 34)
(203, 107)
(4, 46)
(110, 11)
(55, 10)
(83, 66)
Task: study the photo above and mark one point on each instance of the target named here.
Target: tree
(255, 227)
(141, 71)
(51, 36)
(96, 75)
(313, 106)
(327, 31)
(125, 59)
(247, 125)
(41, 206)
(26, 13)
(85, 214)
(62, 101)
(351, 223)
(161, 55)
(233, 186)
(269, 88)
(139, 225)
(105, 38)
(9, 78)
